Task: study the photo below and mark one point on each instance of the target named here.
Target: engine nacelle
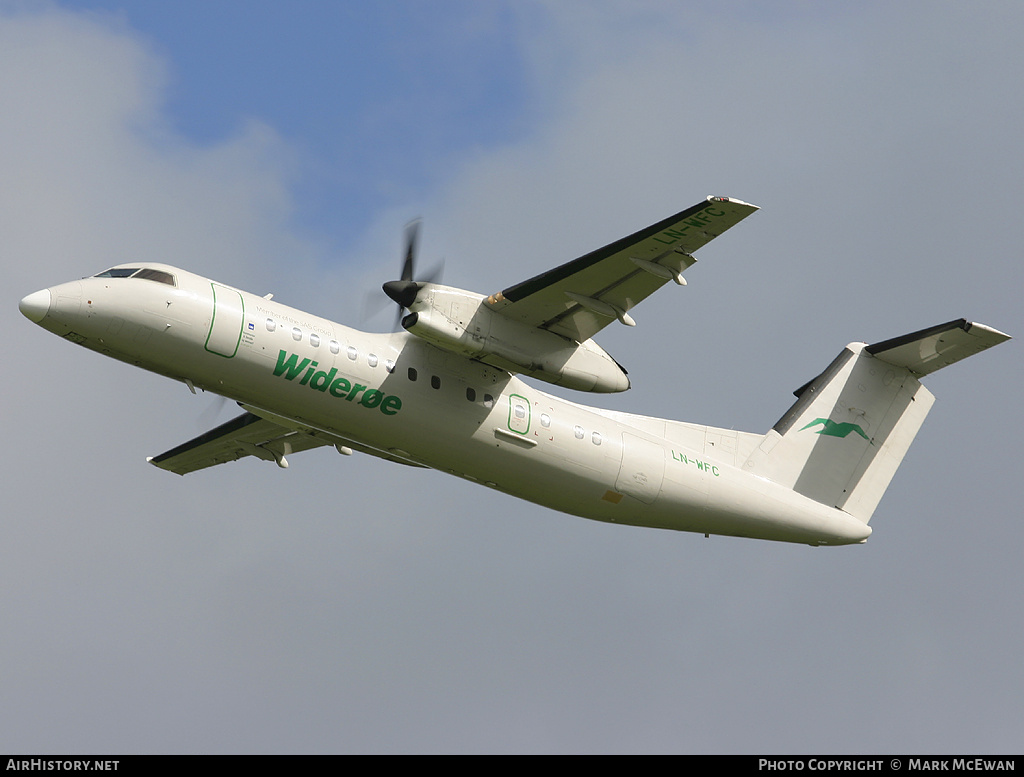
(461, 322)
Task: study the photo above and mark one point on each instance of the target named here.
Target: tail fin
(842, 441)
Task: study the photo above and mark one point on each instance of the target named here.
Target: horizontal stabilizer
(931, 349)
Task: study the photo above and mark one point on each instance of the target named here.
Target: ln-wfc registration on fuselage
(444, 393)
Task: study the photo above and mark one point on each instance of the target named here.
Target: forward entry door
(226, 324)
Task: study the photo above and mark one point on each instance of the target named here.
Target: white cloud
(95, 175)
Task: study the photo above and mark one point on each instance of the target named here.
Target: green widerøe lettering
(290, 367)
(833, 429)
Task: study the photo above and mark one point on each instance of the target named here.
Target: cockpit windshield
(117, 272)
(146, 273)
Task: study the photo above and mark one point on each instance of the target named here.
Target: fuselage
(404, 398)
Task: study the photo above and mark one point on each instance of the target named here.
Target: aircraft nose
(36, 305)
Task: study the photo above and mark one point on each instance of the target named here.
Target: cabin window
(371, 359)
(389, 365)
(596, 438)
(353, 354)
(435, 382)
(412, 373)
(335, 347)
(488, 400)
(519, 411)
(578, 432)
(545, 420)
(271, 325)
(471, 393)
(314, 340)
(296, 333)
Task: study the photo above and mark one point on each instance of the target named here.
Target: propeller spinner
(404, 290)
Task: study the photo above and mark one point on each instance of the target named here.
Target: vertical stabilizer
(842, 441)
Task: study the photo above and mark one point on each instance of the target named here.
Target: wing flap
(619, 275)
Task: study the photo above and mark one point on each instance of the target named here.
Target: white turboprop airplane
(444, 394)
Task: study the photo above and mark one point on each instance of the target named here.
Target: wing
(246, 435)
(264, 437)
(581, 297)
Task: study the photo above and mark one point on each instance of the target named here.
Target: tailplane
(842, 441)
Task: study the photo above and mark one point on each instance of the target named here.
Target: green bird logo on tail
(833, 429)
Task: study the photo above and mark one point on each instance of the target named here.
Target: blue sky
(354, 606)
(375, 100)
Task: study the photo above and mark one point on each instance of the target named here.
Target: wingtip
(992, 332)
(733, 200)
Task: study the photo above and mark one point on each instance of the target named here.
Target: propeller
(212, 412)
(404, 291)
